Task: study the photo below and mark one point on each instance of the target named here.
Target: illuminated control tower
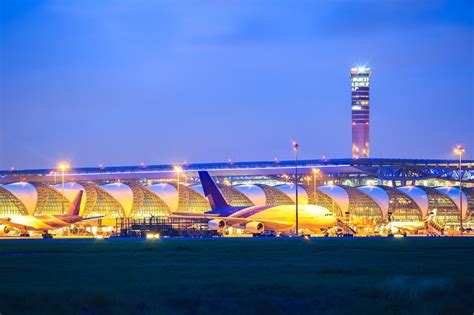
(360, 112)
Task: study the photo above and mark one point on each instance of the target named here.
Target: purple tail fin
(212, 192)
(75, 205)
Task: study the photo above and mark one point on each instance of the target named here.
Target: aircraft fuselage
(44, 222)
(283, 217)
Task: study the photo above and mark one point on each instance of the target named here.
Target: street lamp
(178, 170)
(295, 148)
(459, 150)
(316, 171)
(63, 167)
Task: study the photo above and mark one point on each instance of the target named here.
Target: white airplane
(257, 219)
(25, 224)
(403, 228)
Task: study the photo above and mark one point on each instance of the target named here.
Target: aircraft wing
(230, 221)
(12, 225)
(408, 227)
(92, 218)
(269, 224)
(193, 215)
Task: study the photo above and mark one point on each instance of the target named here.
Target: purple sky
(124, 82)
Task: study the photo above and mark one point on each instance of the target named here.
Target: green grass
(244, 276)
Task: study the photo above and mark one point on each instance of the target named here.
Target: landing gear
(24, 234)
(46, 235)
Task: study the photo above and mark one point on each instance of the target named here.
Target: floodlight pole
(62, 186)
(295, 148)
(460, 193)
(459, 151)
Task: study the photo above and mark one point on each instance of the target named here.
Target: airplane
(257, 219)
(25, 224)
(403, 228)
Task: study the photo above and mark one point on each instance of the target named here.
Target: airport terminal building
(362, 192)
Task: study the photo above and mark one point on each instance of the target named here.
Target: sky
(125, 82)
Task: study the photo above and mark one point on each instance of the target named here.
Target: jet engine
(4, 229)
(216, 224)
(254, 227)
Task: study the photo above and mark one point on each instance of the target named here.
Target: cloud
(288, 21)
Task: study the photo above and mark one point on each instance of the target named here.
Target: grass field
(238, 276)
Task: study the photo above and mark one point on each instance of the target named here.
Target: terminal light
(63, 166)
(459, 150)
(295, 145)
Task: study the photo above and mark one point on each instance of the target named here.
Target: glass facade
(469, 192)
(317, 197)
(106, 205)
(146, 203)
(50, 201)
(275, 197)
(446, 210)
(363, 210)
(234, 197)
(9, 205)
(401, 207)
(360, 79)
(190, 200)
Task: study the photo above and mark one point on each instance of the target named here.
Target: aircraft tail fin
(76, 204)
(212, 192)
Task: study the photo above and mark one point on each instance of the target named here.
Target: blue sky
(124, 82)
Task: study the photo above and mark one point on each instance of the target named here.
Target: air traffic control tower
(360, 78)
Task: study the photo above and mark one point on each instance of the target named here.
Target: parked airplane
(394, 227)
(25, 224)
(257, 219)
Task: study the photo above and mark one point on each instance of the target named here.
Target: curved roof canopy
(71, 190)
(379, 195)
(419, 196)
(338, 194)
(255, 193)
(122, 193)
(198, 189)
(168, 193)
(290, 191)
(453, 193)
(26, 193)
